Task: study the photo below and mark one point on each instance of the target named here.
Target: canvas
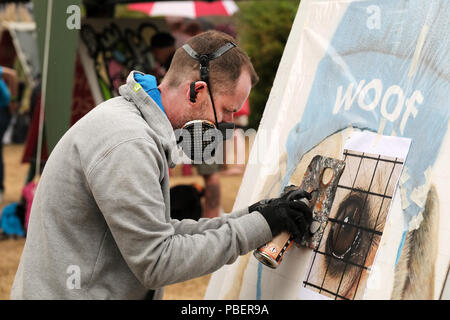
(375, 66)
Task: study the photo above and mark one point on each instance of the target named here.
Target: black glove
(296, 194)
(282, 214)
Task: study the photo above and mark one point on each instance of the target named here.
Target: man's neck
(166, 99)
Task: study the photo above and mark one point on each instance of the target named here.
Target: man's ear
(196, 91)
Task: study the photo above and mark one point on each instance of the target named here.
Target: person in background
(163, 49)
(176, 25)
(212, 196)
(9, 86)
(234, 164)
(192, 28)
(182, 29)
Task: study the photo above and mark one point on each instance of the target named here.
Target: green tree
(263, 28)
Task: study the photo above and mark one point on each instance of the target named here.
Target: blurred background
(59, 59)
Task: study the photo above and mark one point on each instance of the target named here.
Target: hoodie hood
(153, 115)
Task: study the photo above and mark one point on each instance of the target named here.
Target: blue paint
(402, 243)
(258, 281)
(356, 54)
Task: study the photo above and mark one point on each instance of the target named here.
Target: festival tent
(23, 38)
(189, 9)
(57, 51)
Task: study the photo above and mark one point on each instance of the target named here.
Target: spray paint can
(271, 254)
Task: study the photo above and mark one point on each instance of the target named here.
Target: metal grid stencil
(342, 261)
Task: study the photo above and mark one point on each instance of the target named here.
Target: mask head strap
(204, 59)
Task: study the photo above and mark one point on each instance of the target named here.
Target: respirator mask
(199, 139)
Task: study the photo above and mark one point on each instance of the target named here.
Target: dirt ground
(11, 249)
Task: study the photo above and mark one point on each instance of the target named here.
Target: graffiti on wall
(117, 51)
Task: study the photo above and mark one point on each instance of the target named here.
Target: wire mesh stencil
(341, 263)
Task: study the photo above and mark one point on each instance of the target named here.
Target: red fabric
(82, 103)
(202, 8)
(32, 138)
(186, 170)
(82, 99)
(145, 7)
(245, 110)
(215, 8)
(7, 52)
(28, 194)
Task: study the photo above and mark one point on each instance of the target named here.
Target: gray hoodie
(100, 225)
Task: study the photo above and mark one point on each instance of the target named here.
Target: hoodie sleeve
(189, 226)
(126, 186)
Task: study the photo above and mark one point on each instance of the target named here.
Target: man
(9, 87)
(100, 225)
(212, 195)
(163, 49)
